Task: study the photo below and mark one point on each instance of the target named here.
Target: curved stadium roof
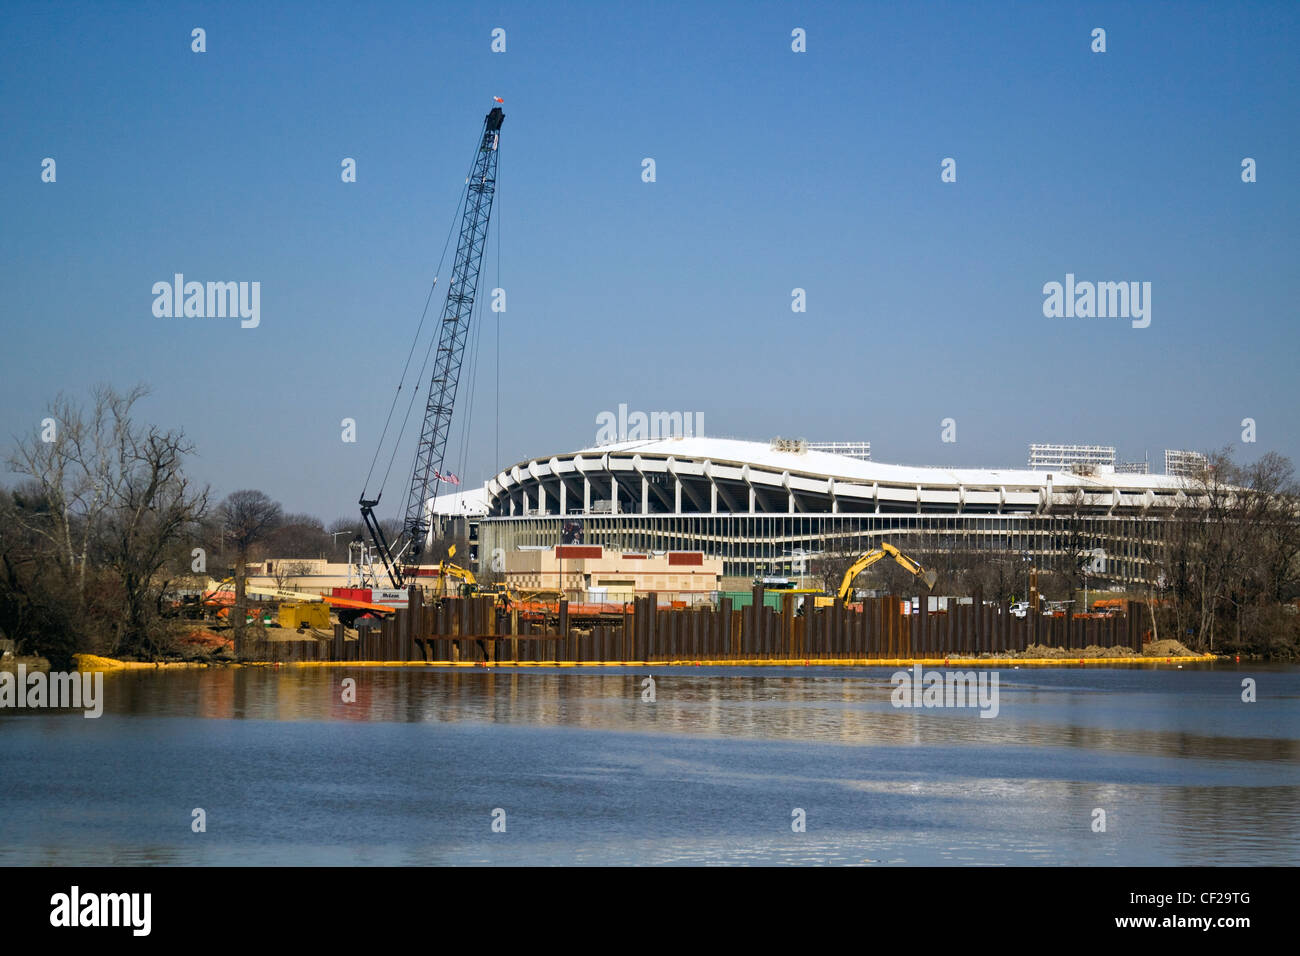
(701, 474)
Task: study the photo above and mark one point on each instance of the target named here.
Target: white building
(763, 509)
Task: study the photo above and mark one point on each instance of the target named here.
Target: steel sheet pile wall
(472, 629)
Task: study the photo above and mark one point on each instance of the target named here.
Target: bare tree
(1216, 544)
(299, 536)
(1152, 548)
(1271, 501)
(1074, 541)
(106, 495)
(1229, 556)
(38, 609)
(152, 505)
(285, 571)
(249, 517)
(835, 559)
(71, 460)
(996, 576)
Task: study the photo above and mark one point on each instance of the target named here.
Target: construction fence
(473, 629)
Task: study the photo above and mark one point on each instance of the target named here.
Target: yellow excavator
(469, 585)
(885, 550)
(448, 571)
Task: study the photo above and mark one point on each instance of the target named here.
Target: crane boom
(453, 331)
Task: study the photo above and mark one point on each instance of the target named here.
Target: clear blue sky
(775, 170)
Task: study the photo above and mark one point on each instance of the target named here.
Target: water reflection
(590, 773)
(1167, 714)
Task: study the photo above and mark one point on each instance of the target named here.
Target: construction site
(695, 547)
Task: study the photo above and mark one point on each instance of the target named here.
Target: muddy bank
(1041, 652)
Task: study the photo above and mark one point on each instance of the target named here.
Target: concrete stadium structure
(766, 508)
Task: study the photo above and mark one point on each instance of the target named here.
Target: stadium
(765, 508)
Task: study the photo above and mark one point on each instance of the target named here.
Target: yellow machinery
(297, 608)
(819, 597)
(871, 557)
(469, 586)
(446, 570)
(295, 614)
(282, 594)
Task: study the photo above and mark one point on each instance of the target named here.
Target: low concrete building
(310, 575)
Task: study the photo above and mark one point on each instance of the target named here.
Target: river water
(578, 768)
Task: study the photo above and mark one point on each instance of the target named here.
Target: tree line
(1222, 570)
(103, 527)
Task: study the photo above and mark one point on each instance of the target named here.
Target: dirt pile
(1166, 649)
(1060, 653)
(1091, 652)
(200, 638)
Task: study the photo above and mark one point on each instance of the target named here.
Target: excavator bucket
(929, 577)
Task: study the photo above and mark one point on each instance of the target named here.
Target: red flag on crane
(498, 99)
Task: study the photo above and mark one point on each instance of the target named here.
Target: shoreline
(89, 662)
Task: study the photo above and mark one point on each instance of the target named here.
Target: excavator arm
(856, 568)
(929, 577)
(448, 570)
(499, 593)
(871, 557)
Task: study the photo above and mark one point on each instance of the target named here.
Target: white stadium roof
(472, 502)
(703, 474)
(825, 464)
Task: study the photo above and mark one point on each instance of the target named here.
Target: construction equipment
(430, 455)
(202, 604)
(355, 604)
(447, 570)
(296, 614)
(469, 586)
(885, 550)
(282, 594)
(213, 603)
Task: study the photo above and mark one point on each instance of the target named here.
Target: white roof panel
(825, 464)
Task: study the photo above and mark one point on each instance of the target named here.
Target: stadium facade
(766, 508)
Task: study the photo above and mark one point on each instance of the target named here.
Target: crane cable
(415, 461)
(475, 336)
(463, 193)
(405, 369)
